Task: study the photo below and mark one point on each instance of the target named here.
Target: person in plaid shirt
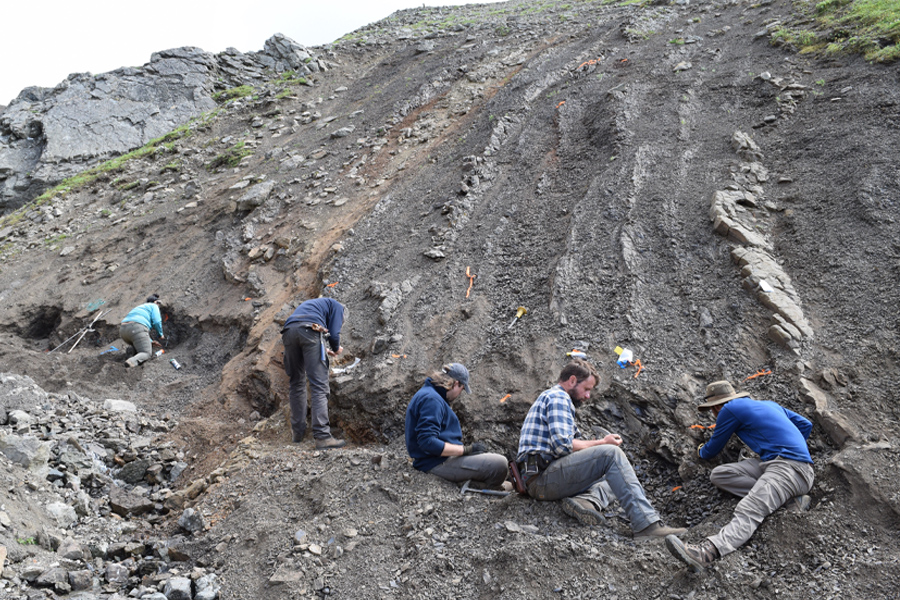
(586, 475)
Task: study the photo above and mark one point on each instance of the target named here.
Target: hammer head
(465, 487)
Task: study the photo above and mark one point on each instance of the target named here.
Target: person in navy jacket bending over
(311, 335)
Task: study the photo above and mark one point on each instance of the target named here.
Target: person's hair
(581, 369)
(442, 380)
(152, 297)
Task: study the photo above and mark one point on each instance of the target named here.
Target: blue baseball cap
(460, 373)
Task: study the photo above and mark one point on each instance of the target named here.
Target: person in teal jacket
(781, 476)
(135, 329)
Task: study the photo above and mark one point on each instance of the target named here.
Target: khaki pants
(138, 336)
(764, 486)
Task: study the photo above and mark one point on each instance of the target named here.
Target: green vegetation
(287, 78)
(233, 93)
(28, 541)
(52, 241)
(128, 186)
(867, 27)
(102, 170)
(173, 166)
(230, 158)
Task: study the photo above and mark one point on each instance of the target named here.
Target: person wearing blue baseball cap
(434, 436)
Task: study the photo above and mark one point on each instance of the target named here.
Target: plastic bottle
(576, 354)
(175, 363)
(625, 356)
(159, 352)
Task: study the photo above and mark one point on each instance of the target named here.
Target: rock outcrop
(48, 134)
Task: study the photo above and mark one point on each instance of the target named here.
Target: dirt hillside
(656, 177)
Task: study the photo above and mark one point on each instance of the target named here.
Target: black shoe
(329, 442)
(297, 437)
(697, 556)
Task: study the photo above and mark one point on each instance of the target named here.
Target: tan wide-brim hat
(719, 392)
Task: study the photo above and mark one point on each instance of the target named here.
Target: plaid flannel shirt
(549, 426)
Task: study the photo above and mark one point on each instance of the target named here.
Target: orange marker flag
(471, 281)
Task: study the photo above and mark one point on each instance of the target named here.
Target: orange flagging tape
(676, 488)
(639, 366)
(759, 373)
(505, 398)
(471, 281)
(333, 284)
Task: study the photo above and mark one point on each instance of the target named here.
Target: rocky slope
(655, 177)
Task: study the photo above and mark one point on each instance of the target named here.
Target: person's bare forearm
(613, 439)
(453, 450)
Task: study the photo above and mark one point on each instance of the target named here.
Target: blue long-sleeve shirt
(766, 427)
(429, 423)
(327, 312)
(147, 315)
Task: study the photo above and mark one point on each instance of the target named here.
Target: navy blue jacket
(429, 423)
(327, 312)
(767, 428)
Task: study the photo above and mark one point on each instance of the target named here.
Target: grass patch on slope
(867, 27)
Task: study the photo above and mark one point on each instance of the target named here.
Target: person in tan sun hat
(782, 475)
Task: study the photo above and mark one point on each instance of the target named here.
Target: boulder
(26, 451)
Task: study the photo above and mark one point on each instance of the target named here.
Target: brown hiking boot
(657, 530)
(583, 510)
(697, 556)
(329, 442)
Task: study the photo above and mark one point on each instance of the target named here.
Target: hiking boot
(798, 503)
(583, 510)
(697, 556)
(657, 530)
(297, 437)
(329, 442)
(132, 362)
(506, 486)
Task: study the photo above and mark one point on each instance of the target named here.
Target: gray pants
(488, 469)
(592, 474)
(764, 487)
(302, 361)
(138, 336)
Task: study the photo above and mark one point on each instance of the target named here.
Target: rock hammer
(466, 488)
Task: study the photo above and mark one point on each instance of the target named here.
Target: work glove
(474, 448)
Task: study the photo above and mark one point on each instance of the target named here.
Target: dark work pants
(302, 362)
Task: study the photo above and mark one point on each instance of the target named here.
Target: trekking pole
(83, 331)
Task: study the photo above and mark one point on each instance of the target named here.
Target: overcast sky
(42, 42)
